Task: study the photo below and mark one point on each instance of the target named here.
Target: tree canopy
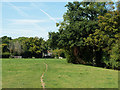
(87, 31)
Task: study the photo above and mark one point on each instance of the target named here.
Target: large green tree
(107, 38)
(80, 20)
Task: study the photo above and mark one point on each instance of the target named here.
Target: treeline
(22, 46)
(28, 48)
(90, 34)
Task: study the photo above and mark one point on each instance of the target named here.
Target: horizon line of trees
(28, 47)
(23, 46)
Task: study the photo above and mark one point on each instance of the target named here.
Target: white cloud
(26, 21)
(26, 32)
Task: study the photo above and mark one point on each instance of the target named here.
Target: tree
(5, 43)
(80, 20)
(106, 38)
(6, 40)
(4, 46)
(16, 46)
(118, 6)
(33, 47)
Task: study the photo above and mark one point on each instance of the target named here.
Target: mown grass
(21, 73)
(26, 73)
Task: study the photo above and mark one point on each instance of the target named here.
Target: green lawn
(26, 73)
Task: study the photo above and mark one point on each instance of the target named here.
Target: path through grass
(26, 73)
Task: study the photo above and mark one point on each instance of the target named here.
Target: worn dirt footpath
(42, 82)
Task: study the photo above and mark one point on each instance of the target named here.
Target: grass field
(26, 73)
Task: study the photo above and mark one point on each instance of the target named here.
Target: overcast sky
(30, 19)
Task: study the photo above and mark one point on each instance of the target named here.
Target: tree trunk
(76, 52)
(94, 57)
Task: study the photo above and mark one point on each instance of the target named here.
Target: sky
(31, 19)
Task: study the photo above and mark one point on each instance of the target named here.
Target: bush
(6, 55)
(58, 53)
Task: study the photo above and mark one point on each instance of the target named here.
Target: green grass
(26, 73)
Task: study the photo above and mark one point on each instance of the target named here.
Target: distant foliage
(23, 46)
(58, 53)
